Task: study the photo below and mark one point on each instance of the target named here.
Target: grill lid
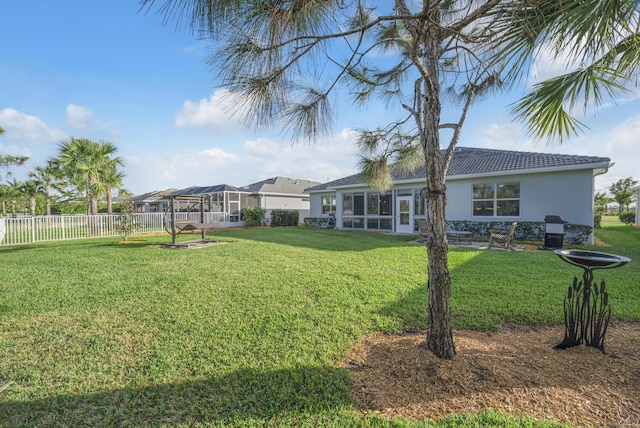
(554, 219)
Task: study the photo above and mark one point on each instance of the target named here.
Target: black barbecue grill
(554, 232)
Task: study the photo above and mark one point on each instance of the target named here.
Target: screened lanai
(222, 203)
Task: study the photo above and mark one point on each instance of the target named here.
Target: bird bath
(592, 259)
(586, 305)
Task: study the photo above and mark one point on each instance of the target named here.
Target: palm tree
(112, 179)
(85, 164)
(46, 178)
(30, 189)
(13, 194)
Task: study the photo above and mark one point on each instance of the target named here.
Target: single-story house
(223, 204)
(151, 202)
(220, 199)
(281, 193)
(485, 188)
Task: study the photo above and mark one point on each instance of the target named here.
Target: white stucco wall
(273, 202)
(315, 205)
(567, 194)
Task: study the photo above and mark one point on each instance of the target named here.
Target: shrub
(627, 217)
(597, 220)
(284, 217)
(127, 221)
(253, 216)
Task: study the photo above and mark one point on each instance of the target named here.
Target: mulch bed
(515, 370)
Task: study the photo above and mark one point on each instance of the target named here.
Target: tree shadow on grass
(317, 238)
(243, 395)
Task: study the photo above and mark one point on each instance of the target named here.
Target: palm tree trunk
(109, 201)
(47, 192)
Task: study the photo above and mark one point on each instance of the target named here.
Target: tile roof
(472, 161)
(206, 190)
(151, 196)
(282, 185)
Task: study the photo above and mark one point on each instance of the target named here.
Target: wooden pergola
(188, 225)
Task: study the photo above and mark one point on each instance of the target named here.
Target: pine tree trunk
(439, 331)
(439, 335)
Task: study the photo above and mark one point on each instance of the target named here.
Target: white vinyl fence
(28, 229)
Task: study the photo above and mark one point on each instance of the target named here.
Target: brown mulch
(515, 370)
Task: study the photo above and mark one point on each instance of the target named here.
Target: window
(347, 204)
(496, 200)
(386, 204)
(358, 204)
(367, 210)
(379, 204)
(372, 204)
(328, 204)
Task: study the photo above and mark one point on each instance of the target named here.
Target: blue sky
(105, 71)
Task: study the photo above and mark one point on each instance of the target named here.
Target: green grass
(610, 219)
(250, 333)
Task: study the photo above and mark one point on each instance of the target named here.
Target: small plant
(627, 217)
(127, 221)
(597, 220)
(253, 216)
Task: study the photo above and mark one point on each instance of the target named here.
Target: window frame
(491, 199)
(331, 205)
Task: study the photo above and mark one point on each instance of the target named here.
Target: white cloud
(508, 136)
(78, 117)
(329, 159)
(261, 147)
(214, 112)
(217, 156)
(621, 144)
(180, 170)
(23, 127)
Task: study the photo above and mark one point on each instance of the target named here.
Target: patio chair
(422, 230)
(502, 238)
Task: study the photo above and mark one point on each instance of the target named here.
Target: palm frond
(546, 109)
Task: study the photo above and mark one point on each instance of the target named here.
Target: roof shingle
(472, 161)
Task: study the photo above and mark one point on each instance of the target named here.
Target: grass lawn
(250, 333)
(610, 219)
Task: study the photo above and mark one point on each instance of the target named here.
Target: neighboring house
(224, 203)
(221, 199)
(282, 193)
(636, 190)
(483, 185)
(152, 202)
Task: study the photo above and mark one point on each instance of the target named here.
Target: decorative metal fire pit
(586, 305)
